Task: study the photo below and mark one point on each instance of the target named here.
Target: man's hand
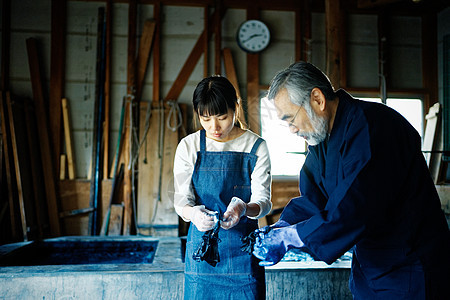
(273, 243)
(235, 210)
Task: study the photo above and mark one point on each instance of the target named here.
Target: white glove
(202, 218)
(235, 210)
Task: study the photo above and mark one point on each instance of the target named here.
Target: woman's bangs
(213, 107)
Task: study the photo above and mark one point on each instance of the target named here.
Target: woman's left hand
(235, 210)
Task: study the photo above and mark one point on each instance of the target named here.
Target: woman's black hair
(214, 95)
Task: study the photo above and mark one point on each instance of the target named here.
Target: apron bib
(217, 177)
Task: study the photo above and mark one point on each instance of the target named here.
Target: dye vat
(131, 267)
(73, 251)
(112, 268)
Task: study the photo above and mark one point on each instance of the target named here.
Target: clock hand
(252, 36)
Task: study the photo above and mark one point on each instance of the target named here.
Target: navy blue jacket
(368, 188)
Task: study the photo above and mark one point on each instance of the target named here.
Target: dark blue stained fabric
(217, 177)
(369, 188)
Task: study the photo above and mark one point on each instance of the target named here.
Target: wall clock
(253, 36)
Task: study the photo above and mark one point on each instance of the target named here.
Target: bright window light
(287, 150)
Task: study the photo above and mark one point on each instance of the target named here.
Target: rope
(174, 111)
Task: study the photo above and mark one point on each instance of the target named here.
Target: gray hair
(300, 79)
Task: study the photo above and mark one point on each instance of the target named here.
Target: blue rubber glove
(272, 243)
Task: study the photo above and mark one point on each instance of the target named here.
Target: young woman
(222, 168)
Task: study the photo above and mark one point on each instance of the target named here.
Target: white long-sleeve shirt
(186, 156)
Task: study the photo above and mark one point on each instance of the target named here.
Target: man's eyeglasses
(291, 122)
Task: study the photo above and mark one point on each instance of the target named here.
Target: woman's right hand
(201, 217)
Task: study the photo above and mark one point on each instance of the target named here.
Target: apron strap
(202, 140)
(256, 145)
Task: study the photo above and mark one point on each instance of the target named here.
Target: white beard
(320, 126)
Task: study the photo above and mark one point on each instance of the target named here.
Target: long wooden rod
(108, 55)
(44, 137)
(131, 88)
(157, 52)
(254, 116)
(18, 168)
(7, 152)
(57, 75)
(95, 192)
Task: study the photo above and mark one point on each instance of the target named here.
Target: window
(411, 109)
(288, 151)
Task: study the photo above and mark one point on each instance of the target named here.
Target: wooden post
(18, 168)
(46, 150)
(303, 40)
(57, 75)
(254, 119)
(230, 70)
(131, 88)
(107, 88)
(6, 39)
(145, 47)
(7, 151)
(429, 59)
(218, 38)
(205, 42)
(334, 41)
(97, 161)
(157, 52)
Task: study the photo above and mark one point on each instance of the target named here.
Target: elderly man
(364, 186)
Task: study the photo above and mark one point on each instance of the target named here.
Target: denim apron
(217, 177)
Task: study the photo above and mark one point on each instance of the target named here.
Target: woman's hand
(235, 210)
(202, 218)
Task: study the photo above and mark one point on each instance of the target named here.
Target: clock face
(253, 36)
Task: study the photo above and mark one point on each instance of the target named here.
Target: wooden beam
(117, 181)
(254, 115)
(7, 151)
(44, 137)
(6, 39)
(116, 220)
(18, 167)
(107, 88)
(217, 38)
(284, 5)
(306, 35)
(205, 42)
(9, 166)
(96, 158)
(429, 59)
(191, 61)
(145, 47)
(230, 70)
(375, 3)
(334, 42)
(131, 84)
(57, 75)
(36, 171)
(157, 52)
